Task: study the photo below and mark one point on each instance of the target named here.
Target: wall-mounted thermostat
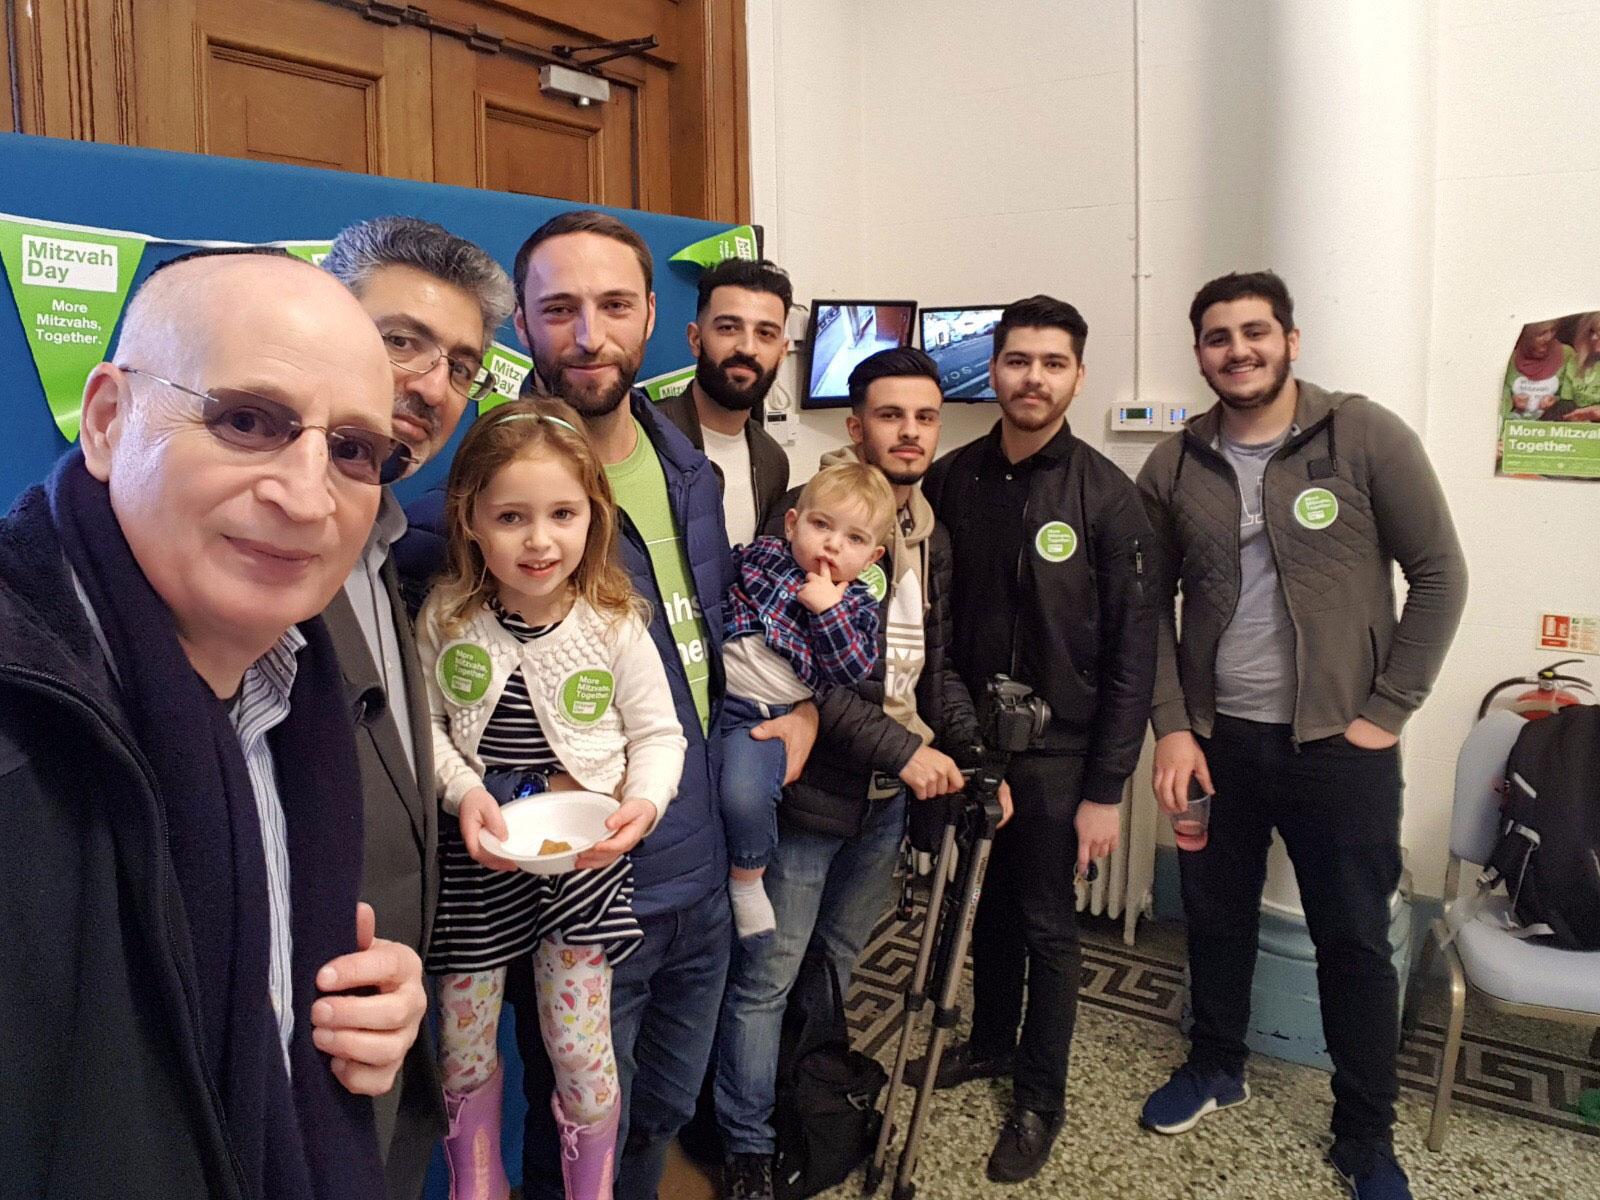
(1136, 418)
(778, 420)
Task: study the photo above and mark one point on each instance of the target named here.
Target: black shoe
(747, 1177)
(1024, 1145)
(961, 1064)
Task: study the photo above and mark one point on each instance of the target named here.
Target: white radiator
(1123, 887)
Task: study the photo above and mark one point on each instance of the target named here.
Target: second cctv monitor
(961, 342)
(842, 333)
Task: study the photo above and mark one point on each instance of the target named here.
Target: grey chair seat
(1526, 972)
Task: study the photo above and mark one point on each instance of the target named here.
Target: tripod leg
(916, 997)
(945, 1012)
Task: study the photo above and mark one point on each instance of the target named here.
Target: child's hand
(479, 812)
(628, 826)
(819, 593)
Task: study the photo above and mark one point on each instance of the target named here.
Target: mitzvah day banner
(82, 224)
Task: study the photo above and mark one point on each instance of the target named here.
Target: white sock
(752, 911)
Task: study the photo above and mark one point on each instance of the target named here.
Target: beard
(1261, 399)
(590, 400)
(713, 380)
(893, 470)
(1030, 422)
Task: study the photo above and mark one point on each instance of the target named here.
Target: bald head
(240, 543)
(198, 311)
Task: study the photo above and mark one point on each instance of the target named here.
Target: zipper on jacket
(1022, 554)
(1277, 569)
(65, 693)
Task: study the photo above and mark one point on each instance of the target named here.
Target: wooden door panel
(535, 156)
(495, 129)
(284, 81)
(282, 110)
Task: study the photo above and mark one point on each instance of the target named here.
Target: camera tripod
(946, 934)
(1012, 720)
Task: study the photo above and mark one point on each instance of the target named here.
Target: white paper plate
(577, 818)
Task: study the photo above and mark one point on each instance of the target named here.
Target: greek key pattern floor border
(1514, 1080)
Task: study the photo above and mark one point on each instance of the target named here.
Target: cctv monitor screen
(961, 342)
(842, 333)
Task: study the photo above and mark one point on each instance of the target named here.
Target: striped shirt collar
(264, 690)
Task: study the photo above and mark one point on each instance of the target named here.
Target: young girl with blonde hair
(541, 676)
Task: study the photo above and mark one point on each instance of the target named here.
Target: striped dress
(487, 918)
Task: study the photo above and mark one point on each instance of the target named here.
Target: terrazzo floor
(1270, 1148)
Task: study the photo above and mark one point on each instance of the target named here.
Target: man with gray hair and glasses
(436, 300)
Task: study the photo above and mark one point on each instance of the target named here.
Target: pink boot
(588, 1153)
(472, 1146)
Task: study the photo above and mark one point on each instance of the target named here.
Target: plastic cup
(1191, 828)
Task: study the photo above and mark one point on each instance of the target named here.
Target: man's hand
(797, 730)
(1006, 807)
(1099, 829)
(480, 812)
(819, 593)
(367, 1037)
(1178, 757)
(628, 825)
(931, 773)
(1364, 734)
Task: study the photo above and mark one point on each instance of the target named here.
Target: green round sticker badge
(1056, 541)
(464, 672)
(1316, 508)
(586, 695)
(877, 582)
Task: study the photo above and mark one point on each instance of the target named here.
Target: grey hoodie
(1348, 496)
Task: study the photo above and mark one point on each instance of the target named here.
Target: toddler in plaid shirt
(800, 621)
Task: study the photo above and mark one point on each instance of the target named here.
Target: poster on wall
(1550, 401)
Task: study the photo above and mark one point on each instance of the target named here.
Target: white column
(1349, 206)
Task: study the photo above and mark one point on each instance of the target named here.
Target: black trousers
(1025, 938)
(1337, 808)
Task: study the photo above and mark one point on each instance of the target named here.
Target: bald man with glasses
(194, 1002)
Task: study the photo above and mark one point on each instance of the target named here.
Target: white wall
(992, 147)
(1517, 197)
(805, 69)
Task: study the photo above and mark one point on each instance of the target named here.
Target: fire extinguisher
(1546, 697)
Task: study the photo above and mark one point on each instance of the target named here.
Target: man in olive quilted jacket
(1279, 513)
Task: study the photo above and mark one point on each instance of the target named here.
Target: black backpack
(826, 1112)
(1548, 854)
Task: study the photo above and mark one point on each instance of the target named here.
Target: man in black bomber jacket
(831, 877)
(1048, 537)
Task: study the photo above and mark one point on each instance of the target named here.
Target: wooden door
(283, 81)
(497, 130)
(444, 90)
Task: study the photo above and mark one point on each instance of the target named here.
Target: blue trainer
(1369, 1170)
(1192, 1092)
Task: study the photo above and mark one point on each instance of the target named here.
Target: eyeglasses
(419, 354)
(247, 421)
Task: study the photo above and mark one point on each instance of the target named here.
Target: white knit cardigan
(636, 741)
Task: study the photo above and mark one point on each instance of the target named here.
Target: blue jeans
(829, 892)
(752, 781)
(663, 1019)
